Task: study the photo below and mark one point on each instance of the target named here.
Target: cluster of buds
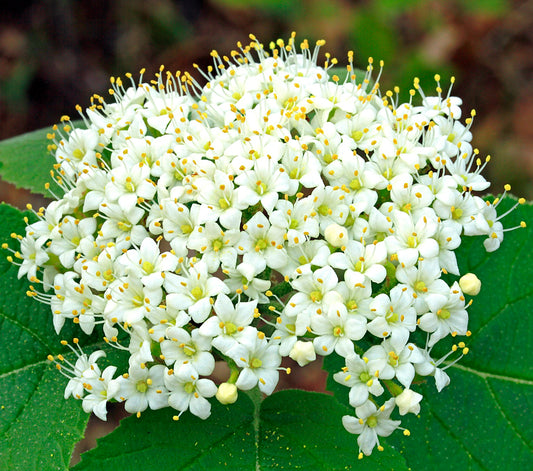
(274, 211)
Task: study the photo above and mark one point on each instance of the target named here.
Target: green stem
(256, 397)
(393, 388)
(233, 376)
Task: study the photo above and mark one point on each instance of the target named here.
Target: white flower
(371, 422)
(359, 259)
(423, 281)
(75, 301)
(179, 222)
(263, 183)
(259, 361)
(142, 388)
(100, 390)
(310, 291)
(295, 219)
(361, 377)
(127, 185)
(470, 284)
(329, 206)
(394, 363)
(408, 197)
(148, 264)
(216, 245)
(229, 322)
(336, 235)
(188, 391)
(393, 316)
(131, 300)
(188, 348)
(33, 257)
(243, 279)
(72, 232)
(222, 198)
(448, 315)
(408, 401)
(302, 257)
(336, 330)
(274, 211)
(303, 352)
(84, 368)
(194, 291)
(263, 243)
(227, 393)
(426, 366)
(413, 238)
(122, 224)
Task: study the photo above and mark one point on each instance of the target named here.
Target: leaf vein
(455, 438)
(26, 329)
(500, 311)
(22, 368)
(485, 375)
(505, 416)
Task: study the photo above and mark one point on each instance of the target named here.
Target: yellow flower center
(230, 328)
(323, 210)
(372, 421)
(197, 293)
(357, 135)
(141, 386)
(147, 267)
(186, 228)
(223, 203)
(420, 286)
(255, 363)
(365, 377)
(189, 350)
(355, 184)
(260, 245)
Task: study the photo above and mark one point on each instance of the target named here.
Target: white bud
(470, 284)
(303, 352)
(227, 393)
(408, 401)
(336, 235)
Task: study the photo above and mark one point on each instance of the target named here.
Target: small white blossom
(371, 422)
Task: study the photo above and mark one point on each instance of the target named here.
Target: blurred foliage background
(55, 54)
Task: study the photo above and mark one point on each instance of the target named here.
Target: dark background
(55, 54)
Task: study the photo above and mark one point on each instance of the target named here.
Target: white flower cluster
(275, 211)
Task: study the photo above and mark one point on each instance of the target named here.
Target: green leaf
(26, 162)
(288, 430)
(487, 7)
(38, 427)
(155, 441)
(278, 8)
(482, 420)
(303, 430)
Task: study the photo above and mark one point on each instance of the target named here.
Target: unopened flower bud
(227, 393)
(303, 352)
(408, 401)
(470, 284)
(336, 235)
